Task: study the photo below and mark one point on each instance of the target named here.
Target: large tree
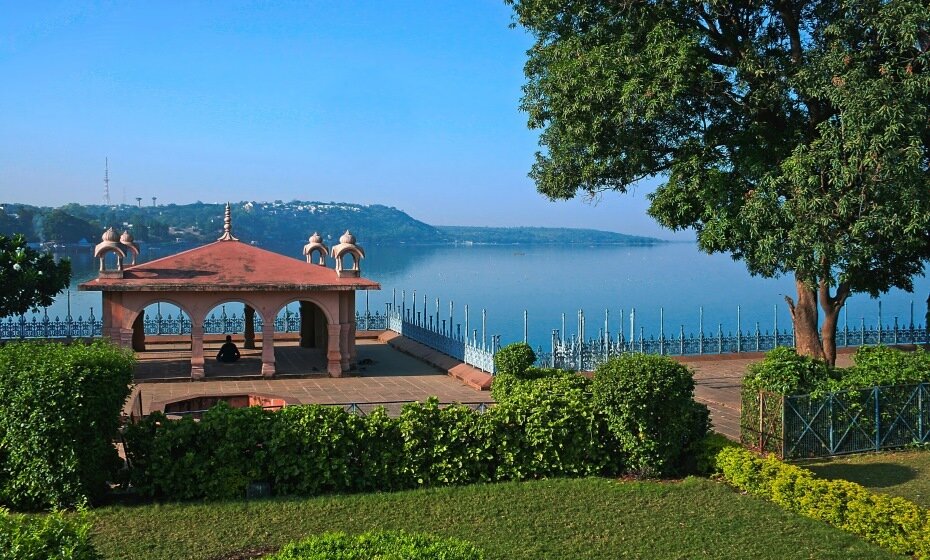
(794, 135)
(28, 279)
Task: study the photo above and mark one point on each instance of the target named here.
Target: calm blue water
(549, 281)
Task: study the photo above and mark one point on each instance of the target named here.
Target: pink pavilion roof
(228, 266)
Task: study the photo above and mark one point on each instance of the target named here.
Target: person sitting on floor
(228, 352)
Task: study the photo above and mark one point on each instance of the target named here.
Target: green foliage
(62, 227)
(784, 372)
(61, 411)
(28, 279)
(707, 450)
(506, 384)
(550, 427)
(386, 545)
(884, 366)
(514, 359)
(890, 522)
(48, 537)
(793, 137)
(649, 405)
(445, 446)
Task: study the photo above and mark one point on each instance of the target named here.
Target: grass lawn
(561, 518)
(903, 473)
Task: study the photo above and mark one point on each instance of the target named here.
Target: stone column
(353, 353)
(344, 357)
(333, 353)
(268, 349)
(138, 332)
(197, 359)
(249, 328)
(307, 315)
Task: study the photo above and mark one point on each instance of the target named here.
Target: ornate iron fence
(801, 426)
(440, 336)
(41, 326)
(577, 352)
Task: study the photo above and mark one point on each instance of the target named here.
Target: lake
(673, 279)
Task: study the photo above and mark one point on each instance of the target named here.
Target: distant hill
(540, 235)
(272, 223)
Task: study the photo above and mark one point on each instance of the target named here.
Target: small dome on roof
(126, 237)
(347, 238)
(109, 236)
(315, 238)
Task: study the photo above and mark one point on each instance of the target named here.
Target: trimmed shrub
(507, 384)
(784, 372)
(60, 416)
(444, 446)
(551, 427)
(890, 522)
(514, 359)
(388, 545)
(648, 402)
(311, 450)
(45, 537)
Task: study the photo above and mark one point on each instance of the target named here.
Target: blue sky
(404, 103)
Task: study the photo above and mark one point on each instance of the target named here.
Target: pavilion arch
(227, 270)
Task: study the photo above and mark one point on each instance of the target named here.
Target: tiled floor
(384, 375)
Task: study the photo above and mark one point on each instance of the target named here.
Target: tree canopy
(28, 279)
(794, 135)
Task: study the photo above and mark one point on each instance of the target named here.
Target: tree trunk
(828, 335)
(804, 316)
(831, 308)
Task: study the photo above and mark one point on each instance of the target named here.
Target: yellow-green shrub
(890, 522)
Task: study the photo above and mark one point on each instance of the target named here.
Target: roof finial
(227, 226)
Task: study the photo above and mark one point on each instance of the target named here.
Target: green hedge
(890, 522)
(59, 418)
(549, 430)
(546, 423)
(45, 537)
(388, 545)
(648, 402)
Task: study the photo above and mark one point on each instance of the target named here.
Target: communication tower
(106, 182)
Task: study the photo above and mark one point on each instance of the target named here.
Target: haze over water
(547, 281)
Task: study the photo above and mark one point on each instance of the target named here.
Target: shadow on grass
(871, 475)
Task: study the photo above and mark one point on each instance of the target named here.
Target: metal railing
(852, 421)
(577, 352)
(42, 326)
(439, 334)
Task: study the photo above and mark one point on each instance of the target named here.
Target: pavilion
(227, 270)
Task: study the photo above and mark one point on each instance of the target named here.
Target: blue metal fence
(42, 326)
(581, 353)
(852, 421)
(439, 334)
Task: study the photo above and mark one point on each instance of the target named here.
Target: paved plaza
(384, 375)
